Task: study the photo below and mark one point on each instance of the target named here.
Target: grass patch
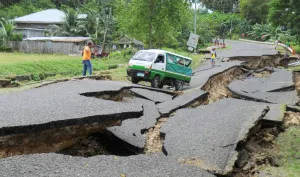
(289, 149)
(63, 66)
(37, 64)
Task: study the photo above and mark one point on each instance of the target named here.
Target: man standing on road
(86, 59)
(213, 56)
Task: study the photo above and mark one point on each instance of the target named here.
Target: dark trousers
(87, 65)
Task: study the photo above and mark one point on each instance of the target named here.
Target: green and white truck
(161, 68)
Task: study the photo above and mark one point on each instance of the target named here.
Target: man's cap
(90, 43)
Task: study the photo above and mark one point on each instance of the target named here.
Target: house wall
(30, 33)
(33, 25)
(47, 47)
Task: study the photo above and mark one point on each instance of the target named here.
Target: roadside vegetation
(41, 65)
(288, 147)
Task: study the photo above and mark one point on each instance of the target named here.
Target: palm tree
(71, 26)
(99, 23)
(6, 30)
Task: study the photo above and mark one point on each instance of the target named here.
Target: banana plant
(6, 28)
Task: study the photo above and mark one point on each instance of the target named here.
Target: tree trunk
(104, 40)
(150, 22)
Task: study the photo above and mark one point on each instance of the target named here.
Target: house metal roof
(59, 39)
(49, 16)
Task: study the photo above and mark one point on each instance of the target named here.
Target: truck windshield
(144, 56)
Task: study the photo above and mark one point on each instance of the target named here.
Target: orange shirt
(86, 53)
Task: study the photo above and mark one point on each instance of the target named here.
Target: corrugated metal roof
(59, 39)
(49, 16)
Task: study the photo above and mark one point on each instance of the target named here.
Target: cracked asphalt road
(56, 165)
(271, 89)
(62, 103)
(210, 133)
(205, 137)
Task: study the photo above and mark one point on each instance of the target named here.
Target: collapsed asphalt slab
(156, 96)
(205, 72)
(208, 135)
(62, 104)
(279, 80)
(131, 130)
(278, 88)
(181, 101)
(55, 165)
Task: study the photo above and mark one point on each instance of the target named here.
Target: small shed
(126, 42)
(52, 45)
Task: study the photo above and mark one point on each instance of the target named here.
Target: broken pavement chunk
(56, 165)
(209, 134)
(182, 101)
(131, 130)
(60, 114)
(278, 88)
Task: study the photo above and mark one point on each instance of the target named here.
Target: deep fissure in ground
(216, 86)
(257, 150)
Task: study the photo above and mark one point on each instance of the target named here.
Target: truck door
(159, 63)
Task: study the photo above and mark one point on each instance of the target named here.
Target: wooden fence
(47, 47)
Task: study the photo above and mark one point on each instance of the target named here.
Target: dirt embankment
(257, 62)
(217, 85)
(260, 149)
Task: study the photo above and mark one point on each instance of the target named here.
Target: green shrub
(36, 77)
(235, 37)
(16, 37)
(297, 49)
(112, 66)
(5, 49)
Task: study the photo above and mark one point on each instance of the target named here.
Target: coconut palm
(6, 30)
(98, 24)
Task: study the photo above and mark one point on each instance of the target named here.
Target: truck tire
(155, 82)
(134, 80)
(178, 85)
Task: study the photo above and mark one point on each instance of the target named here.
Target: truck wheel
(161, 85)
(134, 80)
(178, 85)
(155, 82)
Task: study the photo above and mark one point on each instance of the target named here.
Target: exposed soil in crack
(52, 140)
(297, 82)
(154, 141)
(263, 74)
(260, 149)
(100, 143)
(291, 119)
(217, 85)
(257, 62)
(119, 96)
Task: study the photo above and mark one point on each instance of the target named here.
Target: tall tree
(99, 24)
(155, 21)
(256, 11)
(286, 13)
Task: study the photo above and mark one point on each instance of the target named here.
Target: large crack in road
(214, 128)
